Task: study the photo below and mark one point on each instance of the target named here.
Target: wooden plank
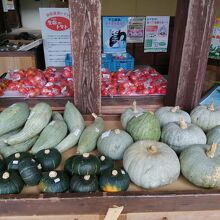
(189, 55)
(86, 51)
(98, 203)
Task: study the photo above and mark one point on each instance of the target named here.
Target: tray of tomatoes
(34, 82)
(142, 81)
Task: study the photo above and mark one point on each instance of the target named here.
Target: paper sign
(114, 34)
(55, 26)
(214, 51)
(136, 29)
(156, 33)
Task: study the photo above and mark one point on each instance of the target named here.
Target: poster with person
(114, 34)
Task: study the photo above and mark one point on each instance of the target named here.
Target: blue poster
(114, 34)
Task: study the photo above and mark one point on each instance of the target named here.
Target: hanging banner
(156, 33)
(135, 29)
(214, 51)
(114, 34)
(55, 27)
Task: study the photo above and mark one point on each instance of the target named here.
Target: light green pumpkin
(113, 143)
(167, 114)
(200, 164)
(180, 135)
(144, 127)
(129, 113)
(151, 164)
(213, 136)
(206, 117)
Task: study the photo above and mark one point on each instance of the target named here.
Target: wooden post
(189, 54)
(86, 52)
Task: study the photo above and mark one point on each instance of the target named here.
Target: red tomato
(67, 74)
(105, 92)
(152, 90)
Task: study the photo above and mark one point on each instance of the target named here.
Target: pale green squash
(113, 143)
(213, 136)
(151, 164)
(90, 135)
(13, 117)
(180, 135)
(200, 164)
(167, 114)
(129, 113)
(38, 119)
(206, 117)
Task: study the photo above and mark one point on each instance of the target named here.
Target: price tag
(76, 132)
(57, 180)
(106, 134)
(15, 162)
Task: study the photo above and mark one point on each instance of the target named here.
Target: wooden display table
(167, 201)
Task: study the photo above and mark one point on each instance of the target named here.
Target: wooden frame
(187, 16)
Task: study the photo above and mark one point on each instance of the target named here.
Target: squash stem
(211, 151)
(182, 124)
(117, 131)
(52, 174)
(114, 172)
(5, 175)
(152, 149)
(94, 115)
(86, 177)
(135, 106)
(174, 109)
(211, 107)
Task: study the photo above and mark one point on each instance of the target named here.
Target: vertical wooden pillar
(189, 54)
(86, 52)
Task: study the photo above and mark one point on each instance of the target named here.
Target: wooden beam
(99, 202)
(86, 51)
(189, 55)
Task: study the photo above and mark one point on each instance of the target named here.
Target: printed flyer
(136, 29)
(156, 33)
(55, 27)
(214, 51)
(114, 34)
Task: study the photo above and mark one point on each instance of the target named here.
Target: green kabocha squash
(2, 164)
(10, 182)
(206, 117)
(90, 135)
(113, 143)
(129, 113)
(144, 127)
(167, 114)
(84, 183)
(51, 135)
(38, 119)
(30, 171)
(213, 136)
(151, 164)
(13, 160)
(180, 135)
(86, 164)
(22, 147)
(76, 125)
(114, 180)
(49, 159)
(54, 182)
(200, 164)
(56, 116)
(106, 163)
(13, 117)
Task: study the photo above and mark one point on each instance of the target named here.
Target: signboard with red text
(55, 27)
